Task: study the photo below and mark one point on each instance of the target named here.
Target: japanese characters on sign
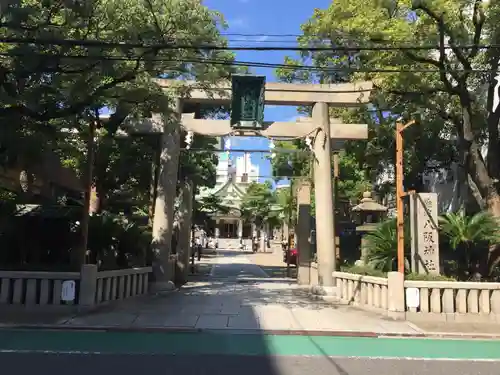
(425, 240)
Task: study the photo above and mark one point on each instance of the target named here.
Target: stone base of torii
(319, 127)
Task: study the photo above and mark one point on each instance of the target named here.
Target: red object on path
(293, 255)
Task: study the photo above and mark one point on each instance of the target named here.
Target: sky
(266, 17)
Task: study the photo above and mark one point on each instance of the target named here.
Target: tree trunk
(474, 162)
(153, 190)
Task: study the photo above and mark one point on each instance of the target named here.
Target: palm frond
(461, 229)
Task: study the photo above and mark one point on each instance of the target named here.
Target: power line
(265, 35)
(247, 151)
(254, 64)
(97, 43)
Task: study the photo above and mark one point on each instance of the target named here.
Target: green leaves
(54, 80)
(256, 204)
(470, 230)
(99, 54)
(441, 91)
(207, 206)
(382, 245)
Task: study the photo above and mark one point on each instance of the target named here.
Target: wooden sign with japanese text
(424, 233)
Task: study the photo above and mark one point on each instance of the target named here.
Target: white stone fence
(377, 294)
(455, 301)
(431, 300)
(90, 288)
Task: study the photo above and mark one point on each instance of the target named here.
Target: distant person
(198, 247)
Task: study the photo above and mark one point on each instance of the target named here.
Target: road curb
(187, 330)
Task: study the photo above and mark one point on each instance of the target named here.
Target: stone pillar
(303, 233)
(164, 203)
(184, 244)
(217, 229)
(395, 295)
(240, 229)
(424, 233)
(88, 285)
(325, 226)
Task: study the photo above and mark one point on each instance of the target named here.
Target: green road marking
(246, 344)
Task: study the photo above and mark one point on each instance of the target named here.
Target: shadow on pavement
(280, 271)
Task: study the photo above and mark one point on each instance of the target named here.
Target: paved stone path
(239, 295)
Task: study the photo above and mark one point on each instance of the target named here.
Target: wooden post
(155, 169)
(336, 173)
(288, 237)
(400, 194)
(82, 253)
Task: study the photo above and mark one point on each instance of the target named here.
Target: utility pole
(400, 194)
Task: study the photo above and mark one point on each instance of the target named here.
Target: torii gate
(320, 127)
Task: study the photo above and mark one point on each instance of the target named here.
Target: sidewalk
(239, 296)
(240, 291)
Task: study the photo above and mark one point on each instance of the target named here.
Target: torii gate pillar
(323, 188)
(163, 265)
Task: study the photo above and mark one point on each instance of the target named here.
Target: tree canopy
(445, 89)
(257, 201)
(62, 61)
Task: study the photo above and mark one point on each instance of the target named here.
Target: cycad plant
(470, 237)
(382, 246)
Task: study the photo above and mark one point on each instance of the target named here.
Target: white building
(223, 168)
(246, 171)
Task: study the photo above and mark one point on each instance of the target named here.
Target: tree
(286, 203)
(256, 203)
(207, 206)
(381, 246)
(440, 84)
(65, 60)
(353, 177)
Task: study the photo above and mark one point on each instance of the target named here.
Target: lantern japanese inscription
(424, 233)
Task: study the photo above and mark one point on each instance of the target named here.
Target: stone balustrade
(34, 288)
(44, 289)
(121, 284)
(455, 301)
(364, 291)
(436, 300)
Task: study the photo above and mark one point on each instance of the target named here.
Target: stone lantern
(368, 215)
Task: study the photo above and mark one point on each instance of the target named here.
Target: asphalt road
(123, 364)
